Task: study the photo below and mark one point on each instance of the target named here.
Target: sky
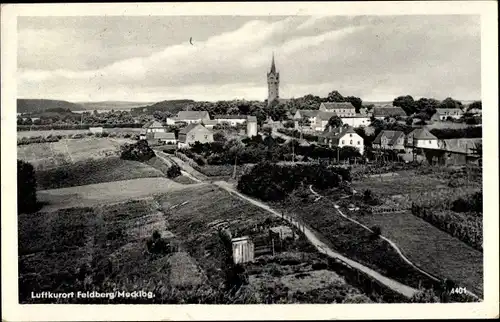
(148, 58)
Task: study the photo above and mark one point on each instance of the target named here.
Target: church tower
(273, 84)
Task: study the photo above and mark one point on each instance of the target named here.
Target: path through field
(93, 194)
(392, 243)
(323, 248)
(168, 160)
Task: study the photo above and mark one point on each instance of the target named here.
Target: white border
(12, 311)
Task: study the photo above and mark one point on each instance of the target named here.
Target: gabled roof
(230, 117)
(325, 116)
(464, 146)
(423, 134)
(337, 133)
(393, 136)
(308, 113)
(152, 124)
(388, 111)
(337, 105)
(210, 122)
(188, 128)
(443, 110)
(192, 115)
(163, 135)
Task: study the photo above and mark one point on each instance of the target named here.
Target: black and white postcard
(247, 158)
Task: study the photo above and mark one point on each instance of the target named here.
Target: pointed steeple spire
(273, 67)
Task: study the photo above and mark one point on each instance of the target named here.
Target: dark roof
(337, 133)
(153, 124)
(388, 111)
(337, 105)
(188, 128)
(308, 113)
(230, 117)
(391, 135)
(423, 134)
(163, 135)
(464, 146)
(192, 115)
(325, 116)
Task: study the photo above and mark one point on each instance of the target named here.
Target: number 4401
(458, 290)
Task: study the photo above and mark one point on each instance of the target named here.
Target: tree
(335, 96)
(26, 187)
(450, 103)
(334, 121)
(174, 171)
(355, 101)
(427, 106)
(476, 105)
(139, 151)
(407, 103)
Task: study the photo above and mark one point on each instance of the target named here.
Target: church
(273, 84)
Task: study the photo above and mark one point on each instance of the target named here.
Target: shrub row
(76, 126)
(296, 134)
(468, 229)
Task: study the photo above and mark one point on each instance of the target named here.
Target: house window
(359, 142)
(351, 142)
(342, 141)
(206, 137)
(350, 135)
(430, 142)
(192, 137)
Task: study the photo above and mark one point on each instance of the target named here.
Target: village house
(165, 137)
(232, 120)
(444, 113)
(251, 126)
(209, 124)
(421, 138)
(389, 140)
(358, 120)
(381, 113)
(475, 111)
(189, 117)
(342, 109)
(154, 126)
(194, 133)
(455, 152)
(305, 114)
(343, 136)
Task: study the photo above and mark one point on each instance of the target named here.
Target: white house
(189, 117)
(444, 113)
(251, 126)
(344, 136)
(154, 126)
(233, 120)
(357, 120)
(305, 114)
(342, 109)
(422, 138)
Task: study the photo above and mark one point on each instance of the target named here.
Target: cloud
(364, 56)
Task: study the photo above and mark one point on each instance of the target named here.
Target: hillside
(172, 106)
(110, 105)
(41, 105)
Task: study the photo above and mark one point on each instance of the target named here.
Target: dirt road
(170, 159)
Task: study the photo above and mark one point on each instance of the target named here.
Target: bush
(139, 151)
(174, 171)
(157, 245)
(376, 231)
(26, 187)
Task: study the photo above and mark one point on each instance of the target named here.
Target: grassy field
(67, 151)
(94, 171)
(117, 191)
(103, 248)
(354, 241)
(430, 248)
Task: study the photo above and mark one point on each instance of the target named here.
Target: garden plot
(184, 272)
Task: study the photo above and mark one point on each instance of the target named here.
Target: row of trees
(424, 108)
(270, 181)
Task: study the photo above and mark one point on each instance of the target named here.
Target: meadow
(103, 247)
(429, 248)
